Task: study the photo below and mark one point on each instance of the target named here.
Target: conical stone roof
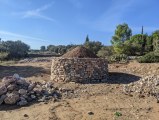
(80, 52)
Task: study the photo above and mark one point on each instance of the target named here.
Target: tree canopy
(122, 33)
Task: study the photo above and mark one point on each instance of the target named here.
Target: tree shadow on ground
(121, 78)
(23, 71)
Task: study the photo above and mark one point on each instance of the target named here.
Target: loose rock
(146, 86)
(3, 89)
(11, 98)
(16, 90)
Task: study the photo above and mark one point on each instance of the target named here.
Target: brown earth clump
(80, 52)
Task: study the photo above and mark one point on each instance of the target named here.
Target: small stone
(11, 87)
(11, 98)
(8, 80)
(48, 85)
(29, 99)
(22, 82)
(45, 102)
(90, 113)
(157, 83)
(22, 102)
(24, 96)
(43, 99)
(2, 98)
(51, 91)
(31, 86)
(33, 96)
(25, 115)
(3, 89)
(22, 92)
(16, 76)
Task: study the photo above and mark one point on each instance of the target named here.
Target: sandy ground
(89, 101)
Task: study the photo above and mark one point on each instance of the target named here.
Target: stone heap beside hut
(79, 65)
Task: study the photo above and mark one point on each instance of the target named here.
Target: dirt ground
(88, 101)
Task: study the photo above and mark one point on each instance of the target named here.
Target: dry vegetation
(85, 101)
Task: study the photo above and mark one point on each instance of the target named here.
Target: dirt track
(102, 100)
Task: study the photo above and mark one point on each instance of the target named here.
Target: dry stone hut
(79, 65)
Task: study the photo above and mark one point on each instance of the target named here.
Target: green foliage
(151, 57)
(105, 52)
(60, 49)
(118, 114)
(118, 58)
(15, 49)
(149, 44)
(155, 37)
(43, 48)
(87, 39)
(3, 56)
(139, 42)
(122, 34)
(93, 46)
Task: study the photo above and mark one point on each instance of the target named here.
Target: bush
(15, 49)
(119, 58)
(151, 57)
(105, 52)
(3, 56)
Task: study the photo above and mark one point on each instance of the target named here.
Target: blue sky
(62, 22)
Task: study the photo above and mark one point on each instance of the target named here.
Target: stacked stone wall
(79, 70)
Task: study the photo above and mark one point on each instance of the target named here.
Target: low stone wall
(79, 70)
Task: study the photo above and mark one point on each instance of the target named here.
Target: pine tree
(143, 39)
(87, 39)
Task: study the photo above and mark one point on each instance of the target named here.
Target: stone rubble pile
(34, 60)
(146, 86)
(16, 90)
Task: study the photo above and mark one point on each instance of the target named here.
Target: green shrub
(151, 57)
(15, 49)
(118, 114)
(105, 52)
(3, 56)
(118, 58)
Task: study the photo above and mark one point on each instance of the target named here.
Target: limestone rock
(22, 92)
(33, 97)
(11, 87)
(3, 89)
(22, 102)
(22, 82)
(2, 98)
(11, 98)
(16, 90)
(8, 80)
(16, 76)
(31, 86)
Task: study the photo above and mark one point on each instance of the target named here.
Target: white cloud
(37, 13)
(19, 36)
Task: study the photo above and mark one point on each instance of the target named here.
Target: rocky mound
(147, 86)
(16, 90)
(80, 52)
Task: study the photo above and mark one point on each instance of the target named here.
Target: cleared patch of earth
(86, 101)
